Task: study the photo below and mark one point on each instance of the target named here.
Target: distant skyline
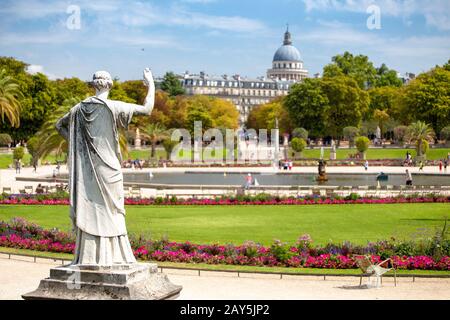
(218, 36)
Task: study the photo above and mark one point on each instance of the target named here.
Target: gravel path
(20, 275)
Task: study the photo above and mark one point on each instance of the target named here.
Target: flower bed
(431, 254)
(261, 199)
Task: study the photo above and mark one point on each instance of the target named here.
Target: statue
(322, 171)
(333, 150)
(97, 205)
(104, 266)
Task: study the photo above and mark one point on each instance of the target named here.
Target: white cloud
(136, 14)
(406, 54)
(35, 68)
(435, 12)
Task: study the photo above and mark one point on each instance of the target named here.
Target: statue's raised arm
(150, 99)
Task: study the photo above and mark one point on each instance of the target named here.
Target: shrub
(400, 133)
(362, 144)
(168, 145)
(18, 153)
(281, 251)
(5, 139)
(445, 134)
(298, 144)
(352, 197)
(350, 133)
(300, 133)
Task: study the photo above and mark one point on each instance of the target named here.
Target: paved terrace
(21, 275)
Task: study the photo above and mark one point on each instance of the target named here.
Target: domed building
(287, 62)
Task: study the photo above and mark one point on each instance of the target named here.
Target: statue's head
(102, 81)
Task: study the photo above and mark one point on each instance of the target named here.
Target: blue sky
(218, 36)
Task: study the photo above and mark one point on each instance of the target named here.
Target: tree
(307, 104)
(136, 90)
(400, 134)
(300, 133)
(386, 77)
(384, 99)
(298, 144)
(447, 65)
(212, 112)
(420, 133)
(427, 99)
(357, 67)
(346, 104)
(72, 88)
(37, 101)
(350, 133)
(5, 139)
(33, 149)
(169, 145)
(381, 117)
(18, 153)
(362, 144)
(118, 93)
(264, 116)
(172, 85)
(445, 134)
(154, 132)
(9, 99)
(48, 138)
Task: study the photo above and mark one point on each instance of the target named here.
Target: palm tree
(50, 141)
(154, 132)
(420, 133)
(9, 103)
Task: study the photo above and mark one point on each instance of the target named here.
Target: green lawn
(236, 224)
(7, 160)
(342, 154)
(376, 154)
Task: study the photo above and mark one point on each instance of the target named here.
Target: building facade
(246, 93)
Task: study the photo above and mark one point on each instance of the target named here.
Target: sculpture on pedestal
(322, 171)
(103, 252)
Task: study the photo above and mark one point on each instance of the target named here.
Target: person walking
(445, 165)
(421, 166)
(440, 165)
(18, 166)
(35, 164)
(366, 165)
(409, 181)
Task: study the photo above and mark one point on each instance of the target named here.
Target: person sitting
(39, 189)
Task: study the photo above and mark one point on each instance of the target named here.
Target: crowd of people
(134, 164)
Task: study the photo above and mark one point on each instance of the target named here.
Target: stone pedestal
(140, 281)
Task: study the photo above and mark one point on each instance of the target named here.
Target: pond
(281, 179)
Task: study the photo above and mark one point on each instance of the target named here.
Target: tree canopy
(427, 98)
(172, 85)
(362, 70)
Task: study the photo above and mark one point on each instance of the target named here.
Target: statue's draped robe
(96, 181)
